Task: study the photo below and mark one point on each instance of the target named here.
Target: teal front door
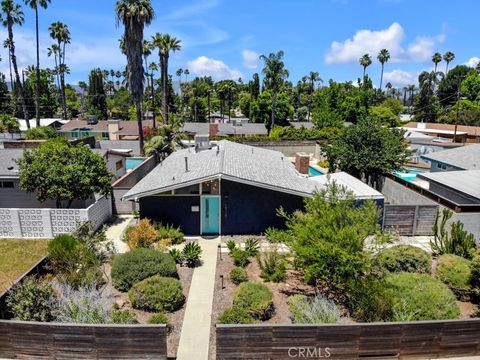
(210, 214)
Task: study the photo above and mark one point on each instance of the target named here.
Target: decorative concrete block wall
(48, 223)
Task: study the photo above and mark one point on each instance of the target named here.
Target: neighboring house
(460, 158)
(229, 188)
(300, 124)
(464, 133)
(103, 129)
(120, 145)
(54, 123)
(227, 129)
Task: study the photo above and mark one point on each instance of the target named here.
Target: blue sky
(223, 38)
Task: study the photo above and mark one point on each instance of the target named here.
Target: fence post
(415, 220)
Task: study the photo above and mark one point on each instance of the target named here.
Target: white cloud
(250, 59)
(400, 77)
(473, 62)
(192, 10)
(217, 69)
(372, 41)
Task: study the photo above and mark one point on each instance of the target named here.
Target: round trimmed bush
(405, 258)
(421, 297)
(455, 271)
(256, 298)
(157, 293)
(235, 315)
(238, 275)
(139, 264)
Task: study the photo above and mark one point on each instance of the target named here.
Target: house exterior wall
(436, 166)
(248, 209)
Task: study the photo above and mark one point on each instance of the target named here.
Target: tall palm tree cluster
(366, 60)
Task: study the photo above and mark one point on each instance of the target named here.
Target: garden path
(116, 230)
(195, 335)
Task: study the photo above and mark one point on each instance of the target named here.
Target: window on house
(439, 165)
(211, 187)
(188, 190)
(119, 164)
(6, 184)
(105, 135)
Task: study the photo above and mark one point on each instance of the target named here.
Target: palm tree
(12, 14)
(365, 61)
(275, 73)
(165, 43)
(55, 51)
(34, 4)
(436, 59)
(448, 57)
(186, 72)
(383, 57)
(179, 73)
(389, 87)
(134, 15)
(59, 31)
(313, 77)
(6, 45)
(153, 67)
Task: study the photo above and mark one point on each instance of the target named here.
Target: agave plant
(231, 245)
(251, 247)
(191, 253)
(176, 255)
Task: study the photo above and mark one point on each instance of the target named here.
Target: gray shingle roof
(237, 162)
(7, 161)
(465, 181)
(466, 157)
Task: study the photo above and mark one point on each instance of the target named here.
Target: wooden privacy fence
(419, 340)
(21, 339)
(409, 219)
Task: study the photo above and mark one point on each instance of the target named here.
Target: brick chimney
(302, 162)
(213, 130)
(113, 129)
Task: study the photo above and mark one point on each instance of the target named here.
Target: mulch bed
(176, 318)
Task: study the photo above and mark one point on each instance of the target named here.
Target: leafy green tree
(34, 4)
(368, 150)
(385, 115)
(166, 140)
(63, 172)
(8, 124)
(383, 57)
(322, 117)
(97, 103)
(134, 15)
(48, 96)
(426, 103)
(11, 15)
(73, 103)
(41, 133)
(468, 113)
(261, 109)
(448, 86)
(275, 75)
(4, 96)
(119, 104)
(471, 86)
(244, 103)
(60, 32)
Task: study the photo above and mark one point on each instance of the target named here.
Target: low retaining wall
(422, 339)
(20, 339)
(48, 223)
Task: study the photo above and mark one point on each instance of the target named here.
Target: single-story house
(461, 158)
(229, 188)
(103, 129)
(228, 129)
(463, 133)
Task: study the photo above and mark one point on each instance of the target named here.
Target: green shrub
(235, 315)
(41, 133)
(272, 265)
(159, 319)
(31, 300)
(191, 253)
(324, 164)
(171, 233)
(455, 271)
(73, 262)
(231, 245)
(458, 241)
(251, 247)
(157, 294)
(176, 255)
(94, 241)
(123, 317)
(369, 300)
(318, 310)
(405, 258)
(238, 275)
(256, 298)
(275, 235)
(475, 272)
(421, 297)
(139, 264)
(240, 257)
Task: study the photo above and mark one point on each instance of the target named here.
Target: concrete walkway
(116, 230)
(195, 335)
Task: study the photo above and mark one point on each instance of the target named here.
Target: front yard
(17, 256)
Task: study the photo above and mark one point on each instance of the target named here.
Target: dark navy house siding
(248, 209)
(172, 210)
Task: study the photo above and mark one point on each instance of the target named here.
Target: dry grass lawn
(17, 256)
